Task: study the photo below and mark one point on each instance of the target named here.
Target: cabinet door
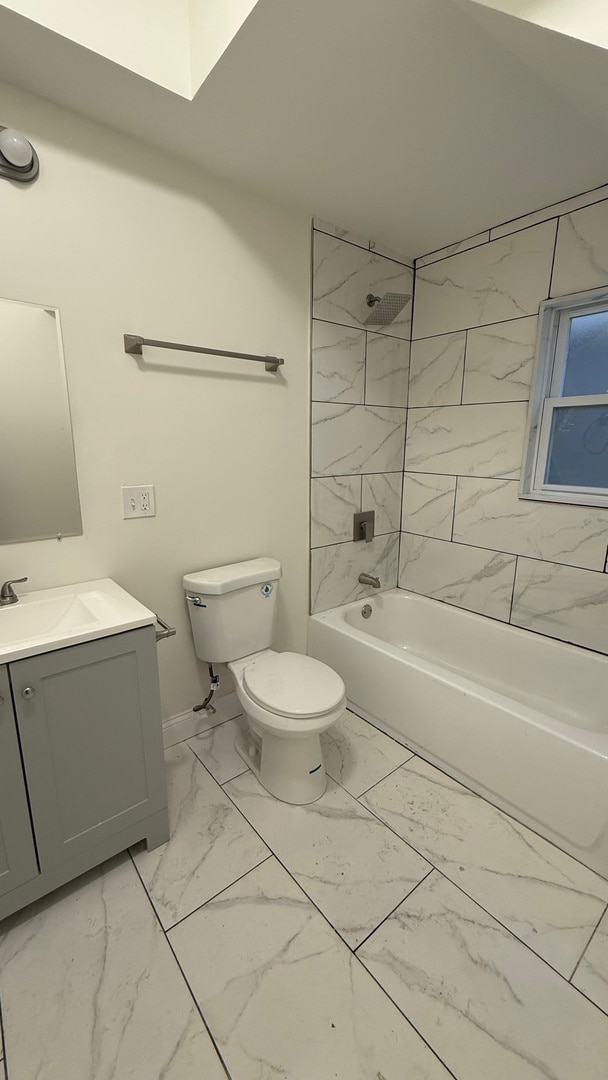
(17, 853)
(90, 727)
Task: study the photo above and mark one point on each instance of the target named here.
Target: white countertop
(49, 619)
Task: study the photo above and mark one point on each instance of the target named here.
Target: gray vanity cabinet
(17, 852)
(88, 720)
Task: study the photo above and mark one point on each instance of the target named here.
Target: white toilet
(288, 699)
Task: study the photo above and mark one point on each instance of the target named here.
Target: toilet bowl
(288, 699)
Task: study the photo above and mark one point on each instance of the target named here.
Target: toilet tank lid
(223, 579)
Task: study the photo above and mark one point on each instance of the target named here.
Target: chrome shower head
(385, 308)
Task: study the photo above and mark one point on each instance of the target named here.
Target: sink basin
(42, 617)
(54, 618)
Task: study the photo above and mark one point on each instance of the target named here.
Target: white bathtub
(518, 717)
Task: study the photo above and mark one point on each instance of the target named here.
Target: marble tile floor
(401, 928)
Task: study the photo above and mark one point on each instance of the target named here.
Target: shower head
(385, 308)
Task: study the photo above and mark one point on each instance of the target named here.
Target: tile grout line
(337, 932)
(432, 870)
(391, 773)
(183, 974)
(480, 905)
(593, 933)
(4, 1058)
(200, 907)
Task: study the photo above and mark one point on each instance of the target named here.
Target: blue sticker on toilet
(266, 589)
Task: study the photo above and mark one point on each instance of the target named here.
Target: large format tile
(386, 370)
(352, 867)
(490, 514)
(357, 755)
(591, 975)
(436, 367)
(428, 504)
(285, 998)
(542, 895)
(467, 440)
(338, 363)
(489, 1007)
(356, 439)
(216, 750)
(344, 275)
(333, 501)
(563, 602)
(381, 492)
(501, 280)
(499, 361)
(334, 571)
(468, 577)
(90, 988)
(581, 256)
(210, 847)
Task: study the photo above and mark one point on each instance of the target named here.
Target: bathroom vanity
(81, 758)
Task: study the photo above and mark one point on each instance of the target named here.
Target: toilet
(288, 699)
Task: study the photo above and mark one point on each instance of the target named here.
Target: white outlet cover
(135, 498)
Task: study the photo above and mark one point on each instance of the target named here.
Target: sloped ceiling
(414, 122)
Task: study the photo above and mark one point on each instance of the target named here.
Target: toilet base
(290, 769)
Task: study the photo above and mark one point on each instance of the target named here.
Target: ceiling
(413, 122)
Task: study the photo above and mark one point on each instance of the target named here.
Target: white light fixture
(18, 159)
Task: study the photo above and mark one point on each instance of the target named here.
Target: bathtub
(520, 718)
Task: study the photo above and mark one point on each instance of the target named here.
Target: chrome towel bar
(134, 346)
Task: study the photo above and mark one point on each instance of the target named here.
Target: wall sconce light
(18, 159)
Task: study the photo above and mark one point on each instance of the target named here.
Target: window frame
(555, 316)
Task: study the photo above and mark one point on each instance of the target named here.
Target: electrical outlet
(138, 501)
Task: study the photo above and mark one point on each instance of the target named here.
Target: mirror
(38, 481)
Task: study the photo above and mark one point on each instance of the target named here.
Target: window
(567, 453)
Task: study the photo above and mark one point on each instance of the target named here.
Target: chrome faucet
(369, 579)
(8, 594)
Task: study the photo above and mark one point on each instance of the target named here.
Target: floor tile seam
(182, 973)
(591, 937)
(208, 731)
(439, 870)
(199, 907)
(407, 896)
(400, 1010)
(3, 1056)
(385, 777)
(510, 818)
(219, 783)
(353, 709)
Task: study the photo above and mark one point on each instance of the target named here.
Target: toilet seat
(293, 685)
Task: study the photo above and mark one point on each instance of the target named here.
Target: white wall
(121, 240)
(151, 37)
(585, 19)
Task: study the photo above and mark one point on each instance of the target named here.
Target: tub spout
(369, 579)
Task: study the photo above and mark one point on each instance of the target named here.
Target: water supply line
(215, 682)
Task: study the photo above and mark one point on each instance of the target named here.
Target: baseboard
(188, 724)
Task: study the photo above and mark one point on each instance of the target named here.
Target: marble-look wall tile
(500, 280)
(499, 361)
(581, 257)
(343, 275)
(381, 492)
(428, 504)
(436, 367)
(335, 570)
(489, 1007)
(333, 501)
(563, 602)
(490, 514)
(591, 975)
(453, 249)
(554, 210)
(342, 234)
(467, 577)
(467, 440)
(386, 370)
(391, 253)
(338, 363)
(356, 439)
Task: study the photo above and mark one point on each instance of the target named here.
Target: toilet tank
(232, 609)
